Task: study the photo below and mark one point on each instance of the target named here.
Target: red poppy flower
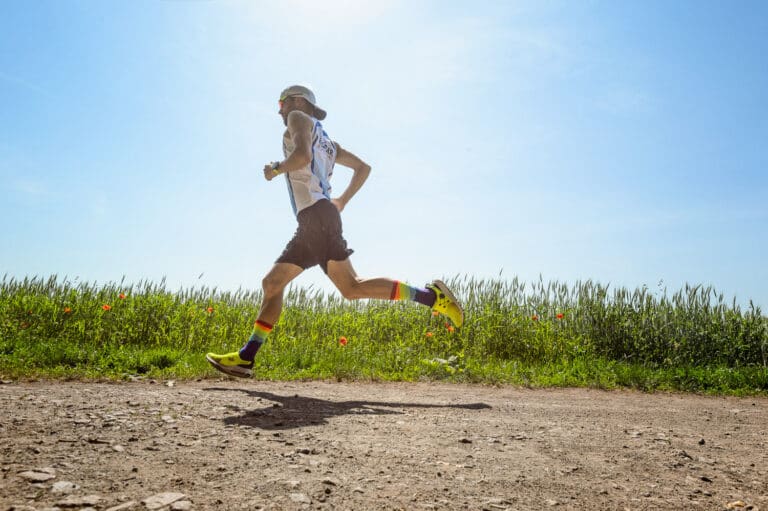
(451, 329)
(209, 310)
(534, 317)
(343, 340)
(106, 307)
(122, 296)
(429, 334)
(67, 310)
(560, 315)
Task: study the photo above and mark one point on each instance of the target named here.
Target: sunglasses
(282, 100)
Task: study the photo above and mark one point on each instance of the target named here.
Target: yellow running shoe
(446, 303)
(231, 364)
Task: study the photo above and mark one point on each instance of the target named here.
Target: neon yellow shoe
(231, 364)
(446, 303)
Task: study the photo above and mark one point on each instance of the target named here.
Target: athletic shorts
(318, 238)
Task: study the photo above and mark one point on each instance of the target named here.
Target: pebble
(300, 498)
(162, 499)
(497, 504)
(122, 507)
(181, 505)
(64, 487)
(80, 502)
(38, 475)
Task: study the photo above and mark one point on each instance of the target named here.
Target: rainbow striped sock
(260, 332)
(402, 291)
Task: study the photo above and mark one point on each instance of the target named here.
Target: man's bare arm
(361, 172)
(300, 130)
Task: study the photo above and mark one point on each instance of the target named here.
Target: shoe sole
(235, 371)
(444, 289)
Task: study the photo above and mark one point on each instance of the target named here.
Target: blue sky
(622, 142)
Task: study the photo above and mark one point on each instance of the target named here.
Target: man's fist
(270, 171)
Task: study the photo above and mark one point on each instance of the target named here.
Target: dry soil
(226, 444)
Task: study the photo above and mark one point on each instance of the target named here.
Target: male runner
(310, 156)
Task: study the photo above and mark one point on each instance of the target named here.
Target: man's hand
(270, 172)
(361, 169)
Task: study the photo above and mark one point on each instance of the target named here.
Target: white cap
(304, 92)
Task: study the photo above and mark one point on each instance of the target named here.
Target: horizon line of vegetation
(539, 333)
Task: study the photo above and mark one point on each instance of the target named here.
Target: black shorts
(318, 238)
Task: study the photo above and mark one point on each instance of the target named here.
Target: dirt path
(253, 445)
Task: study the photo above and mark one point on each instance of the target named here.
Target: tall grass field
(536, 334)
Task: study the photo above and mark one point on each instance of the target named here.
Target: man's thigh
(342, 274)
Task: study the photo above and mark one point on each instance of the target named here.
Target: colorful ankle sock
(402, 291)
(260, 332)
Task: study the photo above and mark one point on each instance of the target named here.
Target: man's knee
(272, 286)
(278, 278)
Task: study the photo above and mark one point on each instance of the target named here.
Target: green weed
(538, 334)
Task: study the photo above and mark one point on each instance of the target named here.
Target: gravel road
(225, 444)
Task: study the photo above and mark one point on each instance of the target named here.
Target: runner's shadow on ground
(288, 412)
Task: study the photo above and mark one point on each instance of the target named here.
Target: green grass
(539, 334)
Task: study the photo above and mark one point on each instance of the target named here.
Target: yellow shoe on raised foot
(446, 303)
(231, 364)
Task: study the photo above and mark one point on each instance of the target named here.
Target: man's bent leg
(435, 295)
(352, 287)
(240, 363)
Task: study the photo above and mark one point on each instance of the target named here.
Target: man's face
(287, 105)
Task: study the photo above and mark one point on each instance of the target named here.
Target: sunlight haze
(622, 142)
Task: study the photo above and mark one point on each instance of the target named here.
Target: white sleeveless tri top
(313, 182)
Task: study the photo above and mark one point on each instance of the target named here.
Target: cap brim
(320, 113)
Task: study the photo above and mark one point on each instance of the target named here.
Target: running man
(310, 156)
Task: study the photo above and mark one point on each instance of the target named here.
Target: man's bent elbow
(364, 169)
